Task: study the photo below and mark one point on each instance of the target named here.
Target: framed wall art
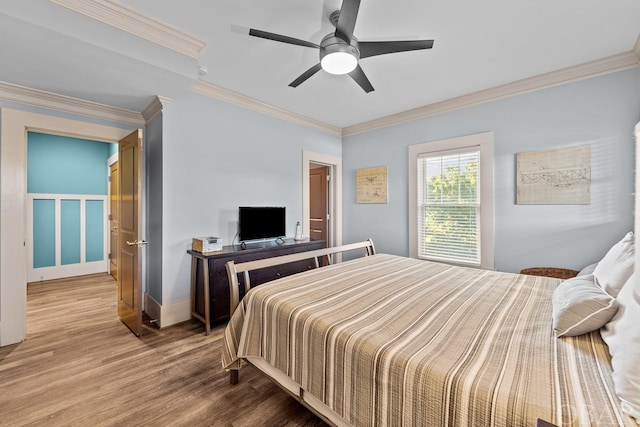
(371, 185)
(560, 176)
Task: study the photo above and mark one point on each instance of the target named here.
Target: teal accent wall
(44, 233)
(70, 231)
(65, 165)
(113, 149)
(60, 165)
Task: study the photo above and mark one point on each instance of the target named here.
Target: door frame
(112, 160)
(14, 125)
(325, 172)
(334, 230)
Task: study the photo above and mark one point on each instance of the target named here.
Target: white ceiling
(478, 45)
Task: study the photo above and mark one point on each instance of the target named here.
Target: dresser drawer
(218, 280)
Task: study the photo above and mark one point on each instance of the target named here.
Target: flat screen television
(256, 222)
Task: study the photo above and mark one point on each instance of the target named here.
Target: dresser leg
(206, 316)
(207, 300)
(194, 266)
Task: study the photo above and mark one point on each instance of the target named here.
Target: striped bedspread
(388, 340)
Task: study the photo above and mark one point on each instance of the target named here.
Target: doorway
(114, 199)
(13, 224)
(319, 216)
(332, 200)
(67, 210)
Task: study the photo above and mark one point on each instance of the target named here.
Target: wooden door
(318, 203)
(130, 242)
(113, 220)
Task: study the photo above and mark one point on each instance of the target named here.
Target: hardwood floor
(80, 366)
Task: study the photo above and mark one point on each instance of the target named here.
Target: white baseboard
(70, 270)
(175, 313)
(167, 314)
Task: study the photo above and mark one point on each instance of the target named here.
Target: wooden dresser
(209, 282)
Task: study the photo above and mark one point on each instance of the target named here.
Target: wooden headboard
(245, 268)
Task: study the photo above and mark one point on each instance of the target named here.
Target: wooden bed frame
(332, 255)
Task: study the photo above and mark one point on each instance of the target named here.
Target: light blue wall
(217, 157)
(600, 112)
(64, 165)
(153, 176)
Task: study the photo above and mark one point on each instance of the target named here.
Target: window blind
(449, 206)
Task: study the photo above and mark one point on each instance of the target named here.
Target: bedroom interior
(224, 126)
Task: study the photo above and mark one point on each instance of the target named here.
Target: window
(451, 200)
(449, 207)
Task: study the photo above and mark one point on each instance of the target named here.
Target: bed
(389, 340)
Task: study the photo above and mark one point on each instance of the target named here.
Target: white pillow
(617, 266)
(622, 335)
(581, 306)
(589, 269)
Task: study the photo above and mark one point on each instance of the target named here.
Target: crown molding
(587, 70)
(133, 22)
(249, 103)
(154, 108)
(67, 104)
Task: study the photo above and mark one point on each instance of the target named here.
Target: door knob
(115, 228)
(137, 243)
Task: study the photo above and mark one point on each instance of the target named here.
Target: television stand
(210, 284)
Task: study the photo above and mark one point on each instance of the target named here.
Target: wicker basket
(559, 273)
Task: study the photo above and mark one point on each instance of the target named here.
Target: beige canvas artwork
(371, 185)
(554, 177)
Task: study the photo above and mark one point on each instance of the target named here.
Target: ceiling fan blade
(368, 49)
(304, 76)
(281, 38)
(360, 78)
(347, 19)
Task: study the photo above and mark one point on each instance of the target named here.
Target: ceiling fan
(341, 51)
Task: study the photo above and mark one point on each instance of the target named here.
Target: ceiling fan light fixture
(340, 51)
(337, 56)
(339, 63)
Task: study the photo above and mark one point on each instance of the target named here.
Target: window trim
(483, 142)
